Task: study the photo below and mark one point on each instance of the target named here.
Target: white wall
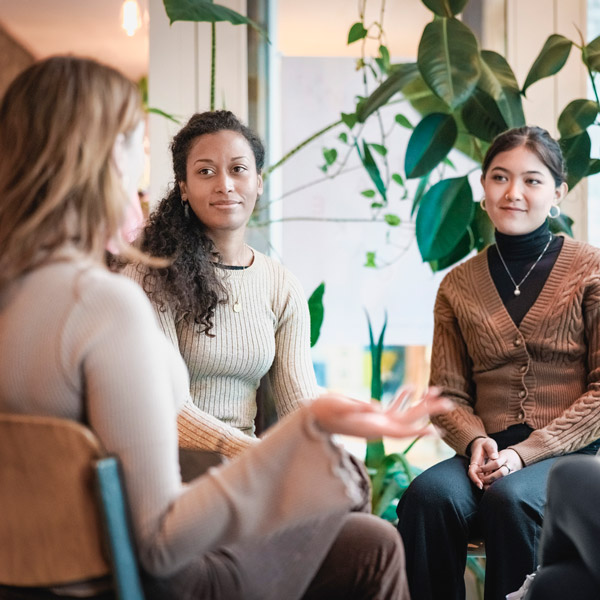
(179, 79)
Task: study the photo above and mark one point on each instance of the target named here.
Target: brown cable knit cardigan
(545, 373)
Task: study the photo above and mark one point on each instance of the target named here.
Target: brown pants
(363, 559)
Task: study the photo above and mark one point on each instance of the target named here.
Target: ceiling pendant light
(131, 17)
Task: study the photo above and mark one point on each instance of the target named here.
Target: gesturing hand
(339, 414)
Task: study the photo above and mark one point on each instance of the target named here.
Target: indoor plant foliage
(464, 96)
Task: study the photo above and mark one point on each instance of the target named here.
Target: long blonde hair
(59, 120)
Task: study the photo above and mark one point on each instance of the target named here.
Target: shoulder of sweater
(468, 267)
(275, 270)
(110, 292)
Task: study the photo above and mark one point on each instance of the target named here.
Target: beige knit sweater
(545, 373)
(77, 341)
(270, 335)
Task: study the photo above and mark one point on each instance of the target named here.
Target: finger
(490, 448)
(402, 397)
(493, 465)
(474, 477)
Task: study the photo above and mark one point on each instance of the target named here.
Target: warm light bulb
(131, 17)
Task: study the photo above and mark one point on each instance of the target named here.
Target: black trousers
(442, 509)
(570, 546)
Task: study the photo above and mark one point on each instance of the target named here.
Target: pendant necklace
(517, 291)
(237, 305)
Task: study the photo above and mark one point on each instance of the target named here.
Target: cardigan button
(522, 394)
(521, 416)
(523, 368)
(517, 341)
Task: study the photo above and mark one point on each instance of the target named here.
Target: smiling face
(519, 191)
(222, 183)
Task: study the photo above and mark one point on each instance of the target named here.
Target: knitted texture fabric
(545, 373)
(270, 335)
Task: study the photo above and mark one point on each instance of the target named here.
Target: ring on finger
(508, 469)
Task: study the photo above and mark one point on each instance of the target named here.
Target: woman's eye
(239, 169)
(204, 171)
(533, 181)
(499, 178)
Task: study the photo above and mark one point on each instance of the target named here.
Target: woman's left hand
(508, 462)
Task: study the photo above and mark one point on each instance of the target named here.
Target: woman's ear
(260, 184)
(182, 190)
(561, 191)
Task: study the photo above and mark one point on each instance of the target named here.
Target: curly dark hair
(190, 285)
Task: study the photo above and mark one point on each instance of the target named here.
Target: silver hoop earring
(482, 204)
(556, 214)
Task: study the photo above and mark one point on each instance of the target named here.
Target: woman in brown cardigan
(517, 346)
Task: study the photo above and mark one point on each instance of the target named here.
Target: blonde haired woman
(273, 524)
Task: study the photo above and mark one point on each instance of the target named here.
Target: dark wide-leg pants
(570, 546)
(442, 509)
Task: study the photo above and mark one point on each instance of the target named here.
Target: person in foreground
(233, 313)
(82, 343)
(517, 347)
(570, 546)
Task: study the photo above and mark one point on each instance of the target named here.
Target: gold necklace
(237, 305)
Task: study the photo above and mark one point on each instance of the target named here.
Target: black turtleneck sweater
(519, 253)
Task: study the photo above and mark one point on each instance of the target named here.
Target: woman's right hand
(482, 450)
(336, 413)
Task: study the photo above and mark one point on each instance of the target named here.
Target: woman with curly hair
(233, 313)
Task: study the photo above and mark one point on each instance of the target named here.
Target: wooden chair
(63, 515)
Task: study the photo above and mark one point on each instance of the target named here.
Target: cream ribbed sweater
(76, 340)
(271, 334)
(545, 373)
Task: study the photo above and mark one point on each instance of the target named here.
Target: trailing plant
(465, 96)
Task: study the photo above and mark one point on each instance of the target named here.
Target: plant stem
(213, 60)
(301, 145)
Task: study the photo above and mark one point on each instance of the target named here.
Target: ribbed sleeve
(543, 373)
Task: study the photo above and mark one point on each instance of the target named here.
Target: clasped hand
(336, 413)
(488, 464)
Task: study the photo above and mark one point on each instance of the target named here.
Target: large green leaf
(317, 312)
(594, 167)
(462, 249)
(204, 11)
(445, 8)
(372, 169)
(422, 99)
(563, 224)
(482, 117)
(576, 151)
(590, 54)
(499, 81)
(421, 188)
(444, 214)
(550, 60)
(448, 60)
(577, 116)
(482, 228)
(429, 143)
(401, 75)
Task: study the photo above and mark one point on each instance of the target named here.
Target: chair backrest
(55, 527)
